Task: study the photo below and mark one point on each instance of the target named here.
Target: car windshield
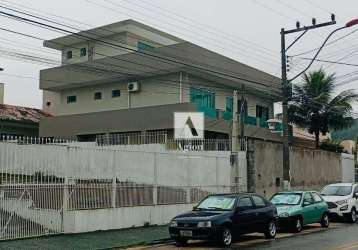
(286, 199)
(217, 203)
(336, 190)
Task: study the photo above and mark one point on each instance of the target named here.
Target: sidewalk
(97, 240)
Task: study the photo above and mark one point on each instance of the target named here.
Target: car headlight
(344, 208)
(204, 224)
(284, 215)
(342, 202)
(173, 223)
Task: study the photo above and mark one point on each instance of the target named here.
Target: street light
(348, 25)
(285, 81)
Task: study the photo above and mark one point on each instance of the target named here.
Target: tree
(314, 106)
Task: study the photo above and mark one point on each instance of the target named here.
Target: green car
(298, 208)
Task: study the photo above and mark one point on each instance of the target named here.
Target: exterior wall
(1, 93)
(19, 128)
(348, 174)
(310, 169)
(221, 94)
(153, 91)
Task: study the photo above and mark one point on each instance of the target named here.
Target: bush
(332, 146)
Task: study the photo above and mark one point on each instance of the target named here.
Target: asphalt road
(339, 236)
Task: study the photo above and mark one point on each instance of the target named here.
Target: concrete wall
(153, 91)
(310, 169)
(347, 161)
(1, 93)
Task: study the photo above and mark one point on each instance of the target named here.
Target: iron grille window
(262, 112)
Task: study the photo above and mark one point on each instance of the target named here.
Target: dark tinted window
(98, 96)
(71, 99)
(69, 54)
(259, 202)
(355, 190)
(316, 197)
(83, 52)
(116, 93)
(245, 203)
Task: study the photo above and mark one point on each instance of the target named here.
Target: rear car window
(316, 197)
(259, 202)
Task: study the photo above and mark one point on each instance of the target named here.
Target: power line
(328, 61)
(165, 59)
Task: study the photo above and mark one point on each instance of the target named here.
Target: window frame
(313, 196)
(310, 195)
(69, 100)
(116, 96)
(97, 96)
(69, 54)
(246, 207)
(85, 52)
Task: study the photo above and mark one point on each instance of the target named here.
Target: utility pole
(286, 88)
(242, 119)
(356, 161)
(234, 123)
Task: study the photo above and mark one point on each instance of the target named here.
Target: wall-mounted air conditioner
(133, 87)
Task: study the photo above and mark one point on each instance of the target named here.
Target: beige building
(121, 70)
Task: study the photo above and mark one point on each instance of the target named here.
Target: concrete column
(114, 191)
(155, 184)
(251, 173)
(186, 164)
(1, 93)
(66, 195)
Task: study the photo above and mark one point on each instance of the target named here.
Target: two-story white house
(130, 77)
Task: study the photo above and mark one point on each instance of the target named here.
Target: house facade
(128, 77)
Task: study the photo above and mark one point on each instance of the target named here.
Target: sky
(245, 30)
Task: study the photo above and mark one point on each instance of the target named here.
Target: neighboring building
(19, 121)
(102, 88)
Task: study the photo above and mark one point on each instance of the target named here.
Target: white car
(342, 200)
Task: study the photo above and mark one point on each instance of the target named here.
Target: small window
(259, 202)
(98, 96)
(245, 203)
(71, 99)
(69, 54)
(316, 197)
(116, 93)
(83, 52)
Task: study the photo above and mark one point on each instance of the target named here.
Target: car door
(244, 218)
(320, 206)
(355, 191)
(263, 212)
(308, 209)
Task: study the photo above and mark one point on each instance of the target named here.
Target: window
(217, 202)
(308, 198)
(245, 203)
(48, 104)
(116, 93)
(98, 96)
(259, 202)
(316, 197)
(144, 47)
(239, 107)
(229, 104)
(202, 98)
(355, 190)
(262, 112)
(69, 54)
(83, 52)
(71, 99)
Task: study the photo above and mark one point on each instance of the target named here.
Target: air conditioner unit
(133, 87)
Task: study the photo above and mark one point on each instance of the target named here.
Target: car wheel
(226, 237)
(271, 230)
(352, 216)
(181, 241)
(297, 225)
(325, 220)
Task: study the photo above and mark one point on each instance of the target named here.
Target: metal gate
(29, 210)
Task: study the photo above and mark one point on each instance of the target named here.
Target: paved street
(339, 237)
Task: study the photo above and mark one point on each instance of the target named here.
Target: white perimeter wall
(347, 162)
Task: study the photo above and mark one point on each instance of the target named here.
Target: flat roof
(103, 31)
